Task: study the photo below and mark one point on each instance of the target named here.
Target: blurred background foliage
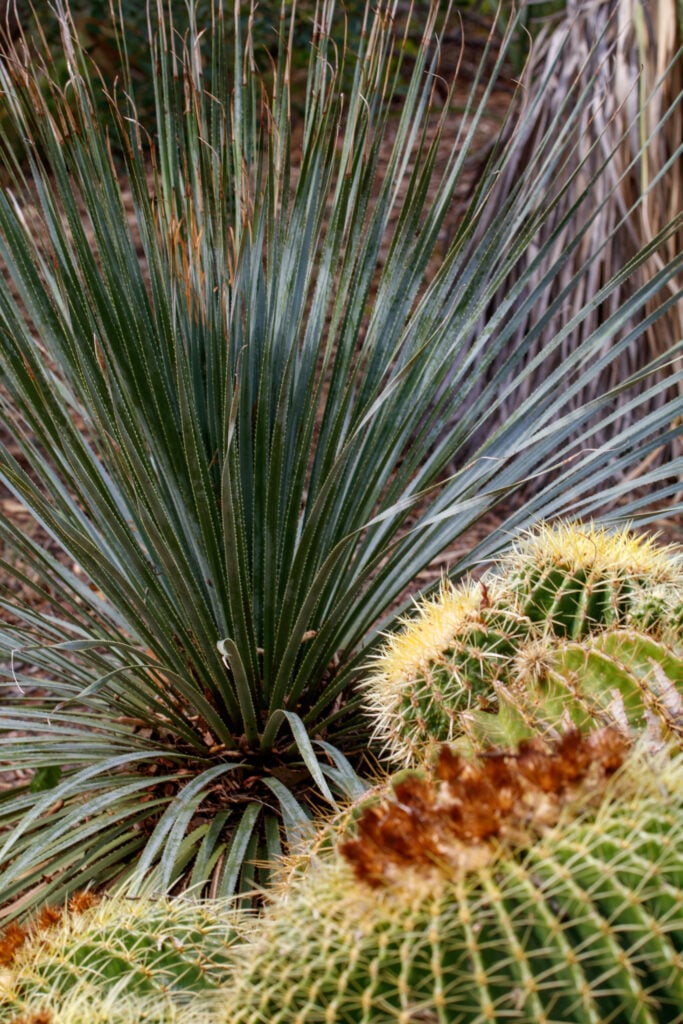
(93, 20)
(95, 26)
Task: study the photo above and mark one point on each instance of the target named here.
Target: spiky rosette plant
(574, 624)
(575, 578)
(228, 336)
(527, 887)
(116, 954)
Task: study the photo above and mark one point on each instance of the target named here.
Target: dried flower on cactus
(454, 818)
(42, 1016)
(14, 936)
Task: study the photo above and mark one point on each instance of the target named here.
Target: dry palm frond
(622, 154)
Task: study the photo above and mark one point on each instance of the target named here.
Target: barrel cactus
(659, 611)
(576, 578)
(444, 663)
(539, 886)
(621, 677)
(114, 959)
(536, 646)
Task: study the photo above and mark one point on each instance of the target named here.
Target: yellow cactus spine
(576, 578)
(107, 959)
(443, 663)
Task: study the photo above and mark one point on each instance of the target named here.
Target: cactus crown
(427, 634)
(596, 550)
(575, 921)
(577, 577)
(14, 937)
(80, 1008)
(452, 819)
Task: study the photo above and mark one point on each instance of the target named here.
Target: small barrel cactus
(113, 956)
(530, 887)
(445, 662)
(575, 579)
(532, 649)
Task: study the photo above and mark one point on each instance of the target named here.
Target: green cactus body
(659, 612)
(445, 662)
(164, 951)
(575, 625)
(575, 579)
(645, 675)
(583, 923)
(619, 677)
(572, 602)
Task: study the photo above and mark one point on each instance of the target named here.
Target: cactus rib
(117, 952)
(532, 649)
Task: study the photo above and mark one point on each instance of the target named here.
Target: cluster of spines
(509, 887)
(79, 1007)
(445, 662)
(134, 951)
(456, 815)
(562, 627)
(15, 936)
(575, 579)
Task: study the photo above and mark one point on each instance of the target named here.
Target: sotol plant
(575, 624)
(530, 887)
(230, 342)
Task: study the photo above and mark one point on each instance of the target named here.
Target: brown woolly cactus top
(452, 820)
(43, 1016)
(15, 935)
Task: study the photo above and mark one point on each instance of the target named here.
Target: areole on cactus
(539, 880)
(543, 885)
(443, 664)
(575, 626)
(81, 1006)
